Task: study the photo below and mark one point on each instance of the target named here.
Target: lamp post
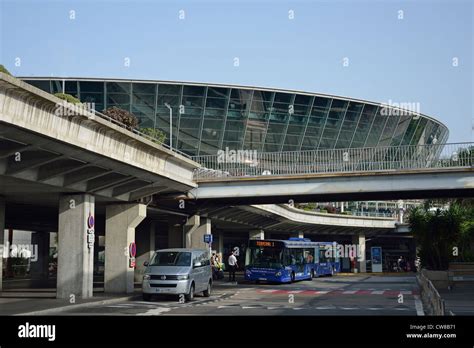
(171, 125)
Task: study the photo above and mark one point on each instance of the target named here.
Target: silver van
(178, 271)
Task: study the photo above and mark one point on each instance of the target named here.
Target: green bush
(4, 70)
(123, 116)
(67, 97)
(323, 211)
(157, 135)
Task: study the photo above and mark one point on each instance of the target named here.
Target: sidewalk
(12, 303)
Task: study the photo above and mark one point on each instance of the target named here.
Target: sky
(413, 51)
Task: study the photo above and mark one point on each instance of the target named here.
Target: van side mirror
(197, 264)
(145, 263)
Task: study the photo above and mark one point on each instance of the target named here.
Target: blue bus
(285, 261)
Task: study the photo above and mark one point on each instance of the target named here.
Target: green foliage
(67, 97)
(123, 116)
(439, 231)
(4, 70)
(157, 135)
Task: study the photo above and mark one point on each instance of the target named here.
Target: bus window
(322, 254)
(309, 255)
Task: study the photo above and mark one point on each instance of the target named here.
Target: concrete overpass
(336, 187)
(68, 163)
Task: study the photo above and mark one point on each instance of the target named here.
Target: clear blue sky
(408, 60)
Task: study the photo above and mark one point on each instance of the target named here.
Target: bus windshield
(264, 257)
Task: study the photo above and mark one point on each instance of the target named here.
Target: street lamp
(171, 125)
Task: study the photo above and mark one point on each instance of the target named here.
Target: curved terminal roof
(207, 117)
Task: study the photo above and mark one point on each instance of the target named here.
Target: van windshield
(171, 258)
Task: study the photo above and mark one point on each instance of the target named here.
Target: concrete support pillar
(175, 236)
(39, 267)
(297, 235)
(257, 234)
(75, 249)
(342, 207)
(2, 239)
(120, 223)
(359, 240)
(195, 229)
(145, 238)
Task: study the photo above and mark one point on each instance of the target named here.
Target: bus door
(324, 262)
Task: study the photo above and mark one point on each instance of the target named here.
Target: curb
(79, 305)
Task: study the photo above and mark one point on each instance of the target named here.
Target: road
(338, 295)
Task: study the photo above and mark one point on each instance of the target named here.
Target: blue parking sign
(208, 238)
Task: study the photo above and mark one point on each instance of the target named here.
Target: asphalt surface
(338, 295)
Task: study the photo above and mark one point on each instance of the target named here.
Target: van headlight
(278, 274)
(146, 277)
(183, 277)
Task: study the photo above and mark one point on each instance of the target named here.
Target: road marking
(349, 292)
(419, 306)
(377, 292)
(322, 292)
(268, 290)
(295, 291)
(155, 311)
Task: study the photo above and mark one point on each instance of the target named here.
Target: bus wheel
(257, 281)
(292, 277)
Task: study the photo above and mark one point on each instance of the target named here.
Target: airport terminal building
(210, 117)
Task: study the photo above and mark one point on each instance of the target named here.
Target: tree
(4, 70)
(443, 235)
(67, 97)
(157, 135)
(122, 116)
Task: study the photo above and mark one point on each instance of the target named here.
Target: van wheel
(292, 277)
(190, 296)
(207, 292)
(146, 297)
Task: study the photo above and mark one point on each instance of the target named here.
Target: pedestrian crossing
(399, 308)
(357, 292)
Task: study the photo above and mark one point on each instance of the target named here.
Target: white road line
(251, 307)
(295, 291)
(321, 292)
(349, 308)
(419, 306)
(377, 292)
(268, 290)
(349, 292)
(406, 292)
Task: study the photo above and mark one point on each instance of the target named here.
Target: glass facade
(207, 118)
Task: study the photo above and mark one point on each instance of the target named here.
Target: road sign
(208, 238)
(376, 256)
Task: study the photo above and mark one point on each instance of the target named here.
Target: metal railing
(389, 158)
(136, 131)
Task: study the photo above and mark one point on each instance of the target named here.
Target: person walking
(232, 267)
